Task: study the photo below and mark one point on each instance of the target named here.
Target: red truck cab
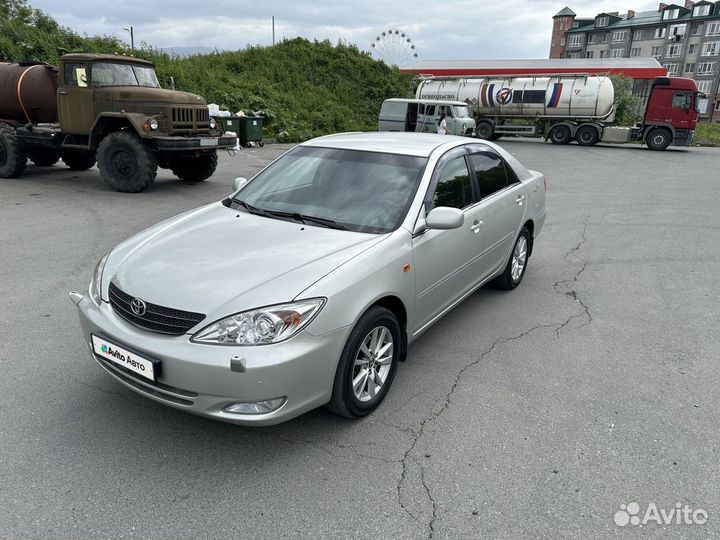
(671, 114)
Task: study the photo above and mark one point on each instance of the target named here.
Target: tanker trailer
(563, 108)
(108, 109)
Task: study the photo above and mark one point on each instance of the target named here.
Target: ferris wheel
(395, 48)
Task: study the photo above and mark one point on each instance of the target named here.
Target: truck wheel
(658, 139)
(44, 157)
(587, 136)
(12, 153)
(79, 160)
(484, 130)
(195, 169)
(125, 163)
(559, 135)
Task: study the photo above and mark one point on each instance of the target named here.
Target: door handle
(62, 93)
(475, 227)
(520, 200)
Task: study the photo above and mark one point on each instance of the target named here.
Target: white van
(421, 115)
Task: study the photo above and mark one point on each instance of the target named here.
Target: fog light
(255, 407)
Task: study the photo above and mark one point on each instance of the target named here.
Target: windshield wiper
(329, 223)
(302, 218)
(250, 208)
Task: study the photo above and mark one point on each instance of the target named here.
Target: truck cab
(422, 116)
(672, 107)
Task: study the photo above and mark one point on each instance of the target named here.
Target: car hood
(218, 261)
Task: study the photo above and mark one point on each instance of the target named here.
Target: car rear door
(444, 259)
(503, 201)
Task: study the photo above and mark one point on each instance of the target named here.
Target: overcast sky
(451, 29)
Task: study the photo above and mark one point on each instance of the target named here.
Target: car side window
(75, 74)
(491, 173)
(453, 186)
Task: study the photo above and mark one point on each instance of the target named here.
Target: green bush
(628, 108)
(708, 134)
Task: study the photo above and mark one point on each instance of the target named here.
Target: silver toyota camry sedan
(306, 285)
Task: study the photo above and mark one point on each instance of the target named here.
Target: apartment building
(685, 39)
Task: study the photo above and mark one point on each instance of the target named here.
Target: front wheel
(658, 139)
(195, 169)
(517, 264)
(368, 363)
(125, 162)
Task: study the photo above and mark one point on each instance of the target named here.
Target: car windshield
(350, 189)
(116, 74)
(461, 111)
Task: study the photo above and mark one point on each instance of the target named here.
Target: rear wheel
(368, 363)
(79, 160)
(658, 139)
(517, 264)
(484, 130)
(13, 158)
(125, 162)
(559, 135)
(587, 136)
(195, 169)
(44, 157)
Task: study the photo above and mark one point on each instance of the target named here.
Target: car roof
(389, 142)
(431, 101)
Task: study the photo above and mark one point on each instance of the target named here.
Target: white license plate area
(147, 369)
(208, 142)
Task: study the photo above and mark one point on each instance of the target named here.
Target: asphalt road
(534, 413)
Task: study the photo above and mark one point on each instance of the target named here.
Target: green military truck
(108, 109)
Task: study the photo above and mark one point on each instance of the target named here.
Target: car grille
(156, 318)
(190, 119)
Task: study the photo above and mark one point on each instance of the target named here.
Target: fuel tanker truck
(567, 108)
(108, 109)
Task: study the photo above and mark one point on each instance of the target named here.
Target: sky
(440, 30)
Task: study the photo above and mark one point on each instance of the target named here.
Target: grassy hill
(304, 88)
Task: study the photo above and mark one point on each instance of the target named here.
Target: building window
(637, 34)
(697, 29)
(575, 24)
(706, 68)
(673, 51)
(575, 40)
(711, 48)
(603, 54)
(717, 105)
(656, 51)
(635, 52)
(619, 36)
(669, 14)
(602, 21)
(701, 11)
(591, 39)
(605, 36)
(704, 86)
(713, 29)
(660, 32)
(672, 69)
(678, 30)
(618, 53)
(589, 54)
(690, 67)
(691, 48)
(562, 42)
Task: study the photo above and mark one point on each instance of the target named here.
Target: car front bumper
(198, 378)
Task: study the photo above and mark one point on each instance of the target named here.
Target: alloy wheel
(519, 259)
(372, 363)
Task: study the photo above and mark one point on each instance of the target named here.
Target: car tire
(125, 162)
(559, 135)
(44, 157)
(13, 158)
(484, 130)
(195, 169)
(517, 263)
(658, 139)
(587, 136)
(79, 160)
(379, 326)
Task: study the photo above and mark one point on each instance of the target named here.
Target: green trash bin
(229, 123)
(250, 130)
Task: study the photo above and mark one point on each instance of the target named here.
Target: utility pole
(132, 37)
(273, 29)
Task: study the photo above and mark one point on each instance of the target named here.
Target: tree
(15, 10)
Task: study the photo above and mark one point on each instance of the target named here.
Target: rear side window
(453, 188)
(75, 74)
(491, 173)
(430, 109)
(394, 107)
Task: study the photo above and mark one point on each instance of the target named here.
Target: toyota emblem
(138, 307)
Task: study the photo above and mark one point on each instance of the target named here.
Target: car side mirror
(239, 182)
(444, 217)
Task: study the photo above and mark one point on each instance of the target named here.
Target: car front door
(443, 259)
(75, 99)
(503, 203)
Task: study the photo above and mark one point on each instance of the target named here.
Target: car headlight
(153, 124)
(212, 123)
(261, 326)
(96, 281)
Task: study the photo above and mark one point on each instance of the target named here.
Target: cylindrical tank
(28, 93)
(567, 96)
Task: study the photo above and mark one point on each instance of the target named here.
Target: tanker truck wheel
(125, 163)
(195, 169)
(44, 157)
(658, 139)
(484, 130)
(13, 158)
(587, 136)
(559, 135)
(79, 160)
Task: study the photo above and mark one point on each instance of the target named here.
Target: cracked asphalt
(534, 413)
